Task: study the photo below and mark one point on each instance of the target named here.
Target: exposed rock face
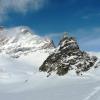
(68, 57)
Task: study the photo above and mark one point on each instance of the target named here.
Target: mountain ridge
(65, 57)
(22, 41)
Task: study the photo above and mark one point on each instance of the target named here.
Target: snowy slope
(12, 70)
(21, 80)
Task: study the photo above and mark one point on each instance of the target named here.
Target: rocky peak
(65, 35)
(68, 44)
(68, 57)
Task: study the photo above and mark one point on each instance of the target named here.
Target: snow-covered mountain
(20, 78)
(67, 57)
(21, 40)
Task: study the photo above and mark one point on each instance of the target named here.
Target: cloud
(21, 6)
(97, 30)
(85, 17)
(89, 39)
(91, 15)
(93, 42)
(55, 35)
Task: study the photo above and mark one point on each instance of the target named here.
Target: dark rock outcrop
(66, 57)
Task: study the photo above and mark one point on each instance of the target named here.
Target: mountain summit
(66, 57)
(21, 40)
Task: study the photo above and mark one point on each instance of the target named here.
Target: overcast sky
(81, 18)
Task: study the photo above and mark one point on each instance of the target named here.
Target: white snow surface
(20, 79)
